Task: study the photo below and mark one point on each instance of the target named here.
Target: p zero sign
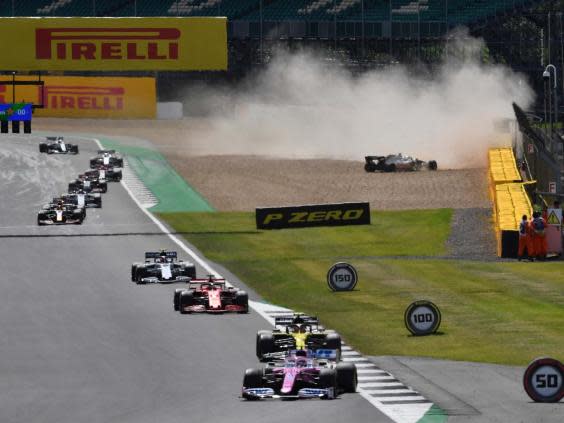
(89, 97)
(313, 215)
(114, 44)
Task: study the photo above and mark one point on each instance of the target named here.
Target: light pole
(553, 115)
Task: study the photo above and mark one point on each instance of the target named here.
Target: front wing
(304, 393)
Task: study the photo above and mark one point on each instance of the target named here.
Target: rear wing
(54, 138)
(369, 159)
(199, 282)
(107, 151)
(157, 254)
(293, 319)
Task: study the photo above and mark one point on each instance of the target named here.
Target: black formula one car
(81, 199)
(86, 184)
(57, 145)
(61, 214)
(104, 173)
(295, 332)
(164, 268)
(210, 296)
(106, 158)
(396, 163)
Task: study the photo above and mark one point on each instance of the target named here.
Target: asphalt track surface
(81, 343)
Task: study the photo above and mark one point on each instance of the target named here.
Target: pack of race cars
(85, 191)
(300, 359)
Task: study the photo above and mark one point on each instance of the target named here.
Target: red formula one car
(210, 296)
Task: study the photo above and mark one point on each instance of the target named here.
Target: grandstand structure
(525, 34)
(300, 18)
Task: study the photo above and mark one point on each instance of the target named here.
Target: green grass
(499, 312)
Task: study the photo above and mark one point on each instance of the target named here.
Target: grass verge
(498, 312)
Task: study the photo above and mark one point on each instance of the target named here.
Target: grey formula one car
(87, 184)
(104, 173)
(81, 199)
(57, 145)
(107, 158)
(164, 268)
(396, 163)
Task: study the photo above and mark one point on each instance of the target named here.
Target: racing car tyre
(265, 344)
(390, 168)
(43, 148)
(188, 269)
(328, 378)
(253, 378)
(104, 187)
(133, 271)
(242, 299)
(347, 378)
(370, 167)
(186, 299)
(92, 163)
(74, 149)
(432, 165)
(139, 272)
(176, 299)
(72, 187)
(333, 341)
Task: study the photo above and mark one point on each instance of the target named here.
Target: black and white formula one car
(164, 268)
(104, 173)
(61, 214)
(87, 184)
(57, 145)
(106, 158)
(81, 199)
(396, 163)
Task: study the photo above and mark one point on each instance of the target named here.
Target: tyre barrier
(510, 199)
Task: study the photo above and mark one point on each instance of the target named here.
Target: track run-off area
(80, 342)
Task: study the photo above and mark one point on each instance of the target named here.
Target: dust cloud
(301, 106)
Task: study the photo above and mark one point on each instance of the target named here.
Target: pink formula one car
(302, 374)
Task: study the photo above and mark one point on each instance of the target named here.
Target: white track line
(400, 413)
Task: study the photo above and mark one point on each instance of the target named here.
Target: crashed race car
(210, 295)
(396, 163)
(61, 214)
(297, 331)
(81, 199)
(57, 145)
(302, 374)
(87, 184)
(106, 158)
(164, 268)
(104, 173)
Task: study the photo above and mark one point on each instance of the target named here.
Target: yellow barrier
(89, 97)
(510, 199)
(114, 44)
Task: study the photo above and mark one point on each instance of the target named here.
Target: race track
(81, 343)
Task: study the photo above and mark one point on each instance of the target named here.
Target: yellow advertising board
(113, 44)
(87, 97)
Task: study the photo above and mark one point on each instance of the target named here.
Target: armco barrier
(510, 199)
(89, 97)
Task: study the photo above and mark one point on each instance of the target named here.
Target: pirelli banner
(313, 215)
(88, 97)
(114, 44)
